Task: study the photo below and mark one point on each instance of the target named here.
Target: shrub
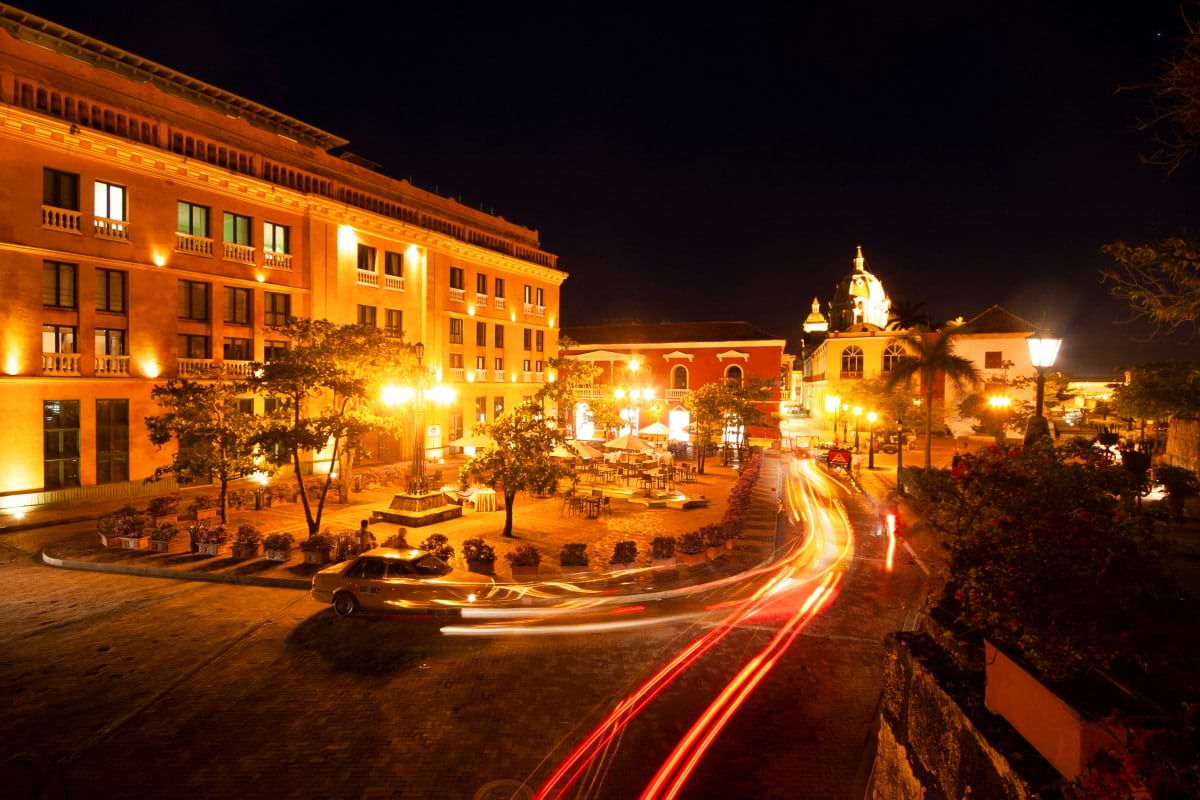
(1180, 483)
(206, 533)
(662, 547)
(278, 541)
(691, 543)
(166, 532)
(164, 505)
(247, 535)
(624, 552)
(573, 555)
(526, 555)
(478, 550)
(129, 525)
(714, 535)
(202, 501)
(317, 542)
(438, 545)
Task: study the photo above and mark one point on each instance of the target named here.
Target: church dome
(816, 322)
(859, 299)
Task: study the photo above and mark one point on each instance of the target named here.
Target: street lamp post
(857, 413)
(872, 417)
(845, 422)
(832, 404)
(1043, 349)
(418, 464)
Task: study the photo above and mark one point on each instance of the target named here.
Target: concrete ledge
(178, 575)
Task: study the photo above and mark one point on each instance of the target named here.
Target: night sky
(690, 166)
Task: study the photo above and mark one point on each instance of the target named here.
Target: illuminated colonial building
(663, 362)
(153, 223)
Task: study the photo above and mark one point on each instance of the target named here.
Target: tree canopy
(1159, 391)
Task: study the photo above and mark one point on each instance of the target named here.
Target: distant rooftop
(649, 333)
(997, 319)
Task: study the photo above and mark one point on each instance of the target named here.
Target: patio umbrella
(656, 429)
(627, 442)
(584, 450)
(473, 440)
(562, 452)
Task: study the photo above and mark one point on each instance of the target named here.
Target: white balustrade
(500, 375)
(115, 229)
(541, 311)
(498, 303)
(367, 278)
(60, 363)
(237, 369)
(481, 375)
(529, 308)
(279, 261)
(527, 376)
(393, 282)
(458, 295)
(191, 367)
(193, 245)
(239, 253)
(456, 373)
(112, 366)
(481, 300)
(540, 377)
(61, 219)
(676, 394)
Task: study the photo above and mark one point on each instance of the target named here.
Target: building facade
(663, 362)
(153, 224)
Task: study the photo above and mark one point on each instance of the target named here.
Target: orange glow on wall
(150, 368)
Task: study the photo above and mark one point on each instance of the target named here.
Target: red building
(651, 368)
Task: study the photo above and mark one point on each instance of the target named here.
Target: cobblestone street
(118, 686)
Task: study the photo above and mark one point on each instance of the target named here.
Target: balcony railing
(458, 295)
(393, 282)
(193, 245)
(60, 363)
(481, 375)
(280, 261)
(112, 366)
(527, 377)
(539, 377)
(498, 303)
(60, 219)
(238, 369)
(191, 367)
(592, 392)
(500, 375)
(239, 253)
(456, 373)
(850, 375)
(676, 394)
(481, 300)
(529, 308)
(367, 278)
(115, 229)
(541, 311)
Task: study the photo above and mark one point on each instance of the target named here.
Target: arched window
(679, 377)
(852, 362)
(733, 374)
(891, 354)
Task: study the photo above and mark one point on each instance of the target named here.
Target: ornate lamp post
(1043, 349)
(872, 418)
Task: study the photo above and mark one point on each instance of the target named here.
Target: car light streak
(891, 548)
(557, 630)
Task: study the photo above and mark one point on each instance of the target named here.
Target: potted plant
(574, 559)
(107, 528)
(1180, 484)
(278, 546)
(316, 548)
(624, 555)
(438, 545)
(245, 544)
(691, 549)
(210, 538)
(131, 530)
(714, 540)
(203, 507)
(479, 555)
(165, 538)
(524, 561)
(662, 551)
(164, 508)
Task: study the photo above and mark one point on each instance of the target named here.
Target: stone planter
(715, 552)
(693, 559)
(279, 555)
(134, 542)
(245, 550)
(576, 569)
(210, 548)
(482, 567)
(1056, 730)
(663, 562)
(109, 540)
(317, 557)
(521, 573)
(617, 566)
(176, 545)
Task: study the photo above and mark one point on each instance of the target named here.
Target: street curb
(33, 526)
(178, 575)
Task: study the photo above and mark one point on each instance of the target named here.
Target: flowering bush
(662, 547)
(478, 550)
(279, 541)
(573, 555)
(624, 552)
(714, 535)
(1154, 763)
(691, 544)
(317, 542)
(526, 555)
(1046, 557)
(165, 532)
(206, 533)
(247, 535)
(438, 545)
(130, 526)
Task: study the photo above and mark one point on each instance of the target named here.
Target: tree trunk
(333, 459)
(346, 469)
(510, 496)
(223, 501)
(929, 424)
(313, 528)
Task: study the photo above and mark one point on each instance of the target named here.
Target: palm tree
(905, 314)
(928, 354)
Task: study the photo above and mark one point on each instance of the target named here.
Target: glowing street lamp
(423, 390)
(832, 404)
(1043, 349)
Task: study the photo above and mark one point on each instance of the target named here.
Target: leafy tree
(997, 421)
(930, 354)
(906, 314)
(744, 404)
(327, 383)
(706, 410)
(1158, 391)
(605, 415)
(1160, 281)
(214, 437)
(568, 375)
(520, 460)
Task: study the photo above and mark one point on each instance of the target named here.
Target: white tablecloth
(484, 499)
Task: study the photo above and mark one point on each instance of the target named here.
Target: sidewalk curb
(33, 526)
(178, 575)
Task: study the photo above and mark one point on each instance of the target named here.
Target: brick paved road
(126, 687)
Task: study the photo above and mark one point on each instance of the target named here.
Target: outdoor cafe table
(485, 499)
(606, 474)
(592, 504)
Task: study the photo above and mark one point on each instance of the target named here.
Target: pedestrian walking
(366, 539)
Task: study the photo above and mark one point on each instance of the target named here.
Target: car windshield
(430, 565)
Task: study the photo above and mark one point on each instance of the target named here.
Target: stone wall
(1183, 443)
(937, 742)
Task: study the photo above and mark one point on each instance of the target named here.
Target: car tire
(344, 604)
